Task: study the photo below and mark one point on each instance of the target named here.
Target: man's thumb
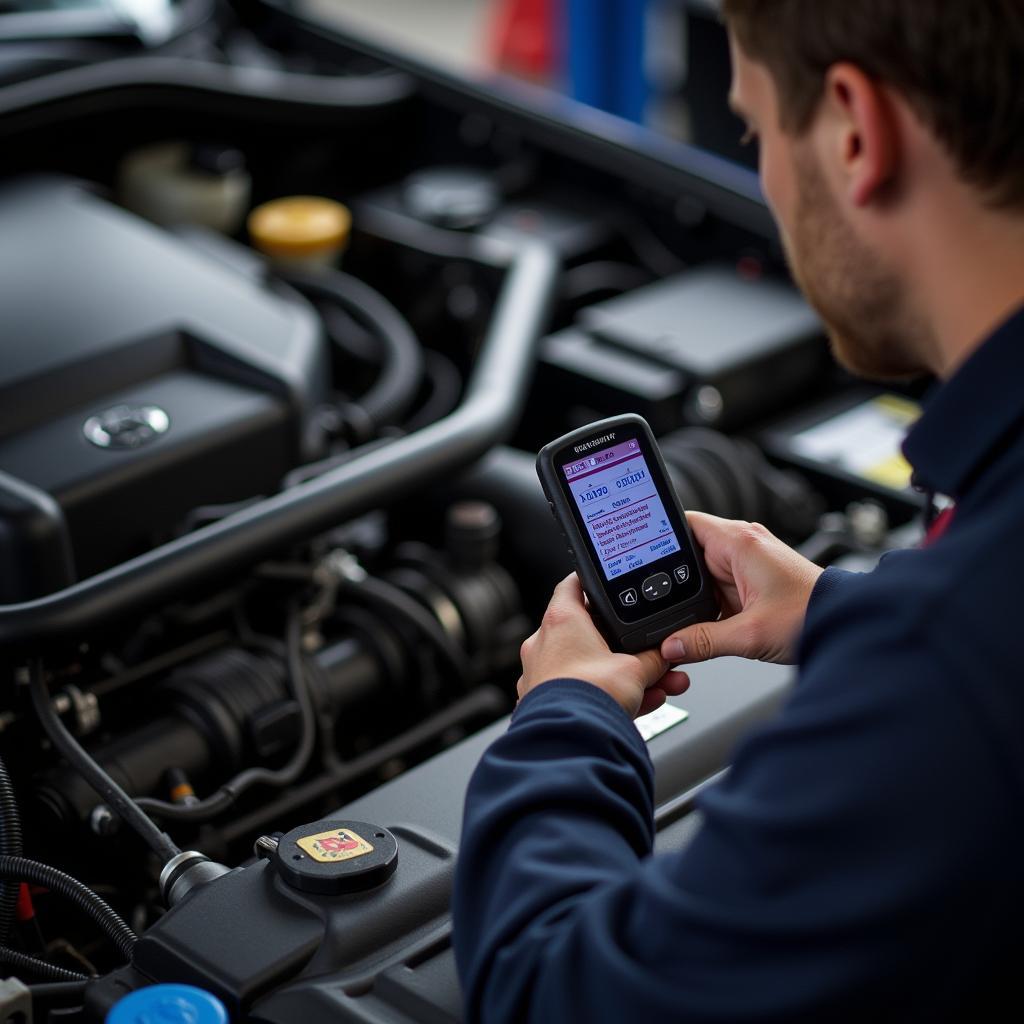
(707, 640)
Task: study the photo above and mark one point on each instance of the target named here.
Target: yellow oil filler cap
(301, 230)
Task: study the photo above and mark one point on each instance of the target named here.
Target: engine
(270, 531)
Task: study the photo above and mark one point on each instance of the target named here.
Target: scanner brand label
(593, 444)
(340, 844)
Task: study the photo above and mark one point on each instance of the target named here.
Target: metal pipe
(494, 399)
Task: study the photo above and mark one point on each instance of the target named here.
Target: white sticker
(658, 721)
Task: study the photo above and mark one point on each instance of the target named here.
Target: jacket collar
(968, 417)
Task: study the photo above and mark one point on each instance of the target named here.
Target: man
(862, 858)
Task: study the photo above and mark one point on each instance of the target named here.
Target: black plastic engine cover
(250, 931)
(142, 377)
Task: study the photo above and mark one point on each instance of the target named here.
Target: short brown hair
(959, 63)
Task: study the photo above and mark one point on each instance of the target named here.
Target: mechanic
(862, 856)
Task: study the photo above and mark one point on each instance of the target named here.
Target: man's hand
(764, 588)
(568, 645)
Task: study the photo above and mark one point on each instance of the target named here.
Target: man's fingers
(652, 666)
(705, 526)
(651, 701)
(674, 683)
(566, 604)
(671, 684)
(739, 635)
(568, 591)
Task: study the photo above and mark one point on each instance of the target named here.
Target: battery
(850, 444)
(742, 347)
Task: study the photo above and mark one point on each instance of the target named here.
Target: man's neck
(970, 278)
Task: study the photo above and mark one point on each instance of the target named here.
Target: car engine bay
(270, 531)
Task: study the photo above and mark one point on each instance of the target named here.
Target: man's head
(872, 116)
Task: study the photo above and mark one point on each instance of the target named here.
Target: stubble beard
(861, 300)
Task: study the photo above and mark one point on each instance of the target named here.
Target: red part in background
(25, 911)
(524, 38)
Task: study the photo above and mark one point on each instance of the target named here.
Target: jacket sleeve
(817, 889)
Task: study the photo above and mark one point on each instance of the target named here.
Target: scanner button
(628, 597)
(681, 573)
(657, 586)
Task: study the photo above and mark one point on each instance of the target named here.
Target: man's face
(860, 297)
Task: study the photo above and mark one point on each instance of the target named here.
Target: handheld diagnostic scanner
(641, 570)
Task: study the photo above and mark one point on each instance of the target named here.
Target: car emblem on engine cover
(126, 426)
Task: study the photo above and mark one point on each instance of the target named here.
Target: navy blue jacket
(863, 858)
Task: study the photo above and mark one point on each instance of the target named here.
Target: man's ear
(864, 133)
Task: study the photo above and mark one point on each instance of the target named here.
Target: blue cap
(169, 1004)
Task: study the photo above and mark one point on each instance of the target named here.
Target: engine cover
(142, 377)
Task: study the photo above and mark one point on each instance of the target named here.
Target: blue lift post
(606, 55)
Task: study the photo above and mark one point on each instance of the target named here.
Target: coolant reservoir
(173, 183)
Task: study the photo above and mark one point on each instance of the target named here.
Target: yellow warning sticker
(892, 472)
(898, 408)
(340, 844)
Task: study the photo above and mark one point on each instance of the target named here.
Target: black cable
(403, 229)
(301, 474)
(394, 601)
(21, 60)
(58, 994)
(23, 962)
(484, 703)
(401, 371)
(349, 337)
(150, 79)
(445, 388)
(227, 794)
(21, 869)
(10, 846)
(648, 247)
(107, 789)
(201, 515)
